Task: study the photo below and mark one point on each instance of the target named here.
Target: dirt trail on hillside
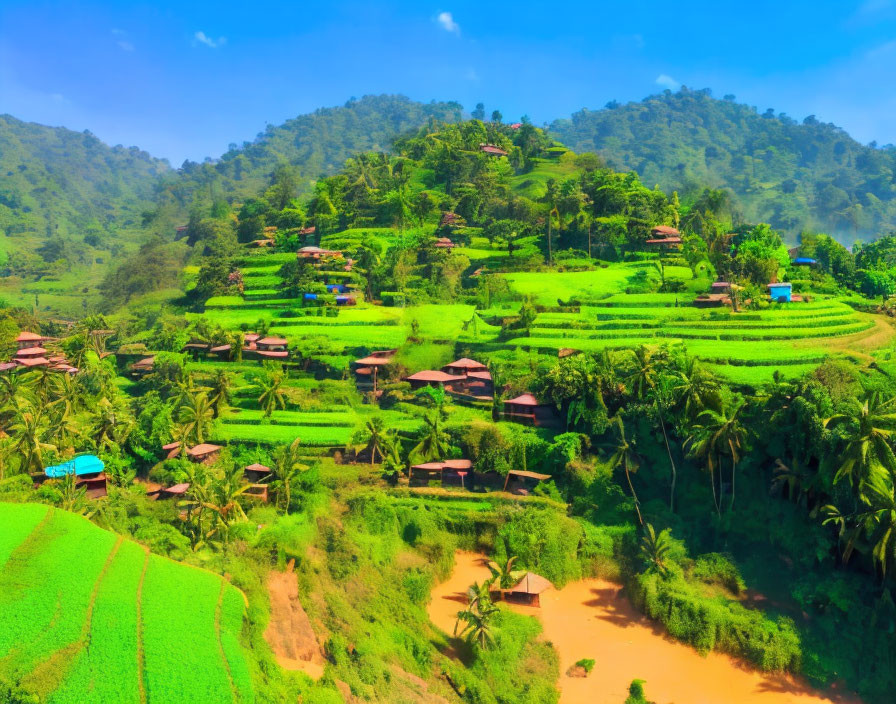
(592, 619)
(289, 632)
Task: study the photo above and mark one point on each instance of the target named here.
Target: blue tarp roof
(310, 296)
(80, 465)
(803, 260)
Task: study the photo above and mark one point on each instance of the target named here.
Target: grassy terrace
(88, 616)
(746, 347)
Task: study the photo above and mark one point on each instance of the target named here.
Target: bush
(587, 664)
(716, 568)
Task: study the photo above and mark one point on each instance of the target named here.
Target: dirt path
(289, 632)
(591, 619)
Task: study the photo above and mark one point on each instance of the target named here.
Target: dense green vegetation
(795, 175)
(72, 634)
(729, 461)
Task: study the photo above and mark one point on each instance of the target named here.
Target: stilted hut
(256, 473)
(204, 453)
(528, 590)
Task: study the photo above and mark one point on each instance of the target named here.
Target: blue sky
(183, 80)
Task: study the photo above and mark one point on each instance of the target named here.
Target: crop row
(698, 324)
(312, 436)
(37, 616)
(179, 637)
(107, 670)
(16, 523)
(744, 334)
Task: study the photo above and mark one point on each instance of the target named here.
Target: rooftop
(433, 375)
(664, 230)
(202, 449)
(532, 583)
(466, 363)
(524, 400)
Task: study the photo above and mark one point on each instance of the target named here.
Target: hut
(450, 219)
(172, 449)
(204, 453)
(528, 410)
(523, 481)
(170, 492)
(433, 378)
(367, 369)
(491, 150)
(448, 471)
(143, 366)
(259, 492)
(272, 348)
(258, 244)
(317, 253)
(528, 590)
(27, 339)
(444, 243)
(665, 231)
(720, 287)
(464, 366)
(780, 292)
(256, 472)
(88, 471)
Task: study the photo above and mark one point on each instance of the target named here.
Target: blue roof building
(79, 466)
(780, 292)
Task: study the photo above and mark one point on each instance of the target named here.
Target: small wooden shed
(529, 589)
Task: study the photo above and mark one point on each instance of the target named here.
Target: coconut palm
(477, 618)
(695, 389)
(285, 471)
(196, 415)
(270, 392)
(111, 424)
(433, 443)
(392, 464)
(871, 423)
(29, 428)
(644, 378)
(221, 497)
(655, 549)
(876, 523)
(717, 433)
(219, 392)
(503, 574)
(626, 457)
(375, 429)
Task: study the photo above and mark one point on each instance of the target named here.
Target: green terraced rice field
(72, 626)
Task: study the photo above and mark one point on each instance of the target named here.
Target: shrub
(587, 664)
(716, 568)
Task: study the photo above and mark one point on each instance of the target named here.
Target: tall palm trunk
(634, 495)
(712, 482)
(733, 473)
(671, 460)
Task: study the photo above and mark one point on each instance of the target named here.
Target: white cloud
(667, 81)
(448, 24)
(122, 41)
(202, 38)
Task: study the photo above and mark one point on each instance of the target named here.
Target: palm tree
(111, 424)
(286, 470)
(477, 618)
(68, 396)
(29, 430)
(392, 464)
(876, 523)
(717, 433)
(871, 425)
(220, 391)
(221, 498)
(270, 392)
(655, 549)
(375, 430)
(625, 456)
(433, 444)
(503, 574)
(644, 378)
(196, 416)
(695, 389)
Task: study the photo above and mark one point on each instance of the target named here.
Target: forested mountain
(795, 175)
(316, 144)
(59, 182)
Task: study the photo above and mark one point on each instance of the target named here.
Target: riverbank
(593, 619)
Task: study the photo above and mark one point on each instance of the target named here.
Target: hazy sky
(185, 79)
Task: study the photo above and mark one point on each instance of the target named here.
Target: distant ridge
(792, 174)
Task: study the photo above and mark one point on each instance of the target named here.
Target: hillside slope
(317, 144)
(59, 182)
(793, 175)
(87, 616)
